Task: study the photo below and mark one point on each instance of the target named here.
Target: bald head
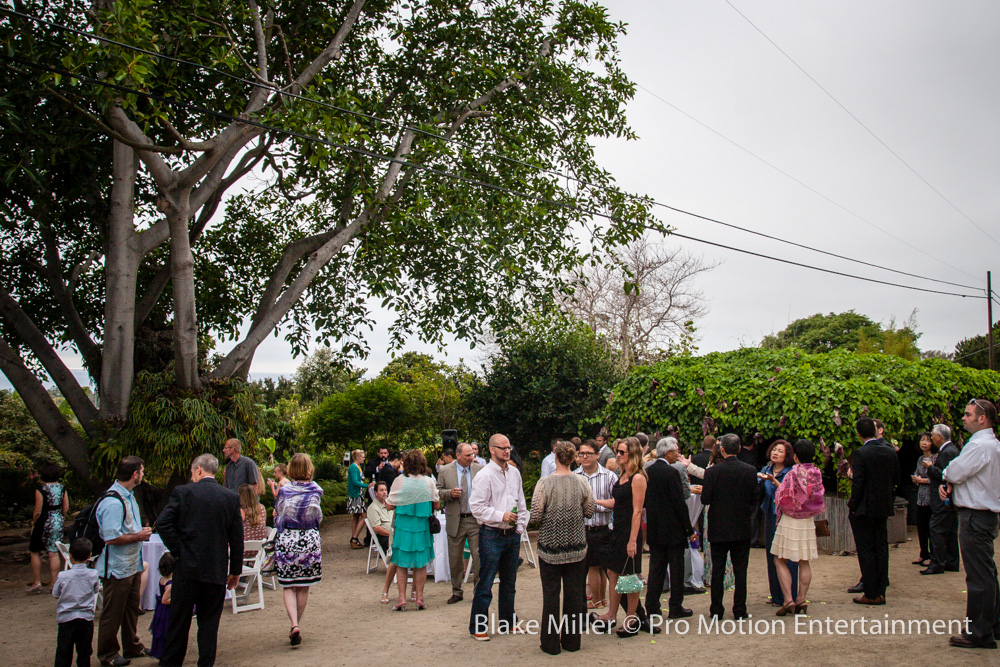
(231, 450)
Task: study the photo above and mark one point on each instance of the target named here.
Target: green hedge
(789, 394)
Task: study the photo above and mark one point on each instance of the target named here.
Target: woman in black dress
(629, 494)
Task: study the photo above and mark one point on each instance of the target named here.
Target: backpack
(87, 525)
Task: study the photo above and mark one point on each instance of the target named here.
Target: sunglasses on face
(622, 452)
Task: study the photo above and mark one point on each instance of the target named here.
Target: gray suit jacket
(446, 481)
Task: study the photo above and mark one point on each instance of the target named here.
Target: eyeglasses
(622, 452)
(586, 454)
(976, 403)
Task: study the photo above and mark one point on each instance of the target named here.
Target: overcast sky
(922, 75)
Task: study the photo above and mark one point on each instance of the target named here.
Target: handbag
(822, 527)
(267, 568)
(628, 583)
(435, 524)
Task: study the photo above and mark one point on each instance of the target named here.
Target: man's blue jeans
(498, 554)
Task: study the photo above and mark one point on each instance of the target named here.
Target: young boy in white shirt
(76, 589)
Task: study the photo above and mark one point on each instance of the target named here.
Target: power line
(439, 172)
(552, 172)
(866, 128)
(815, 268)
(808, 187)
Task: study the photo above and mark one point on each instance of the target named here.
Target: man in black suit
(730, 492)
(874, 476)
(202, 528)
(944, 518)
(668, 528)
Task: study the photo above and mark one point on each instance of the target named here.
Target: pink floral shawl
(800, 495)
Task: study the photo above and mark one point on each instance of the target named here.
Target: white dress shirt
(548, 465)
(495, 491)
(975, 473)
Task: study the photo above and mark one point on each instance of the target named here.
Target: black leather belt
(465, 514)
(502, 531)
(594, 529)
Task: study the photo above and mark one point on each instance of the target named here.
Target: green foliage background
(790, 394)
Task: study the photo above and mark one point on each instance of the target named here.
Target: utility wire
(528, 165)
(809, 187)
(866, 128)
(439, 172)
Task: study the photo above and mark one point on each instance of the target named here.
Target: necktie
(465, 490)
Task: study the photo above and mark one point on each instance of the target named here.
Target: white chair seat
(248, 578)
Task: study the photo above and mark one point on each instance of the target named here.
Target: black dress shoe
(693, 590)
(857, 588)
(117, 661)
(650, 628)
(144, 653)
(933, 569)
(962, 642)
(923, 562)
(683, 612)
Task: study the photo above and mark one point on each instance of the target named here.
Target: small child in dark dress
(161, 617)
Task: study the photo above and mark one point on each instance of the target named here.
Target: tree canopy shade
(974, 351)
(408, 153)
(789, 394)
(549, 379)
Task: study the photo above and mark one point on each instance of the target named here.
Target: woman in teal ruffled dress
(414, 497)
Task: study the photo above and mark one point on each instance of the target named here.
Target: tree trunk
(53, 424)
(182, 281)
(120, 267)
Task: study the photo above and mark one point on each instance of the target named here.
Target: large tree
(392, 142)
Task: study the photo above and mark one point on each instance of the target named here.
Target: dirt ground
(345, 624)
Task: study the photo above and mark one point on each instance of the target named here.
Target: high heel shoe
(400, 607)
(785, 609)
(801, 608)
(295, 637)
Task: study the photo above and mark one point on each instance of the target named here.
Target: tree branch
(330, 53)
(134, 137)
(29, 334)
(53, 424)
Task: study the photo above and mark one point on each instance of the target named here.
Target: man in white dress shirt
(497, 502)
(973, 479)
(549, 462)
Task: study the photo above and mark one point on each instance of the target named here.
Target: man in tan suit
(454, 484)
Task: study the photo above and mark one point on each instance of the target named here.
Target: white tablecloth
(441, 569)
(151, 553)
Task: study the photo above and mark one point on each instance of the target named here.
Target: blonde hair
(300, 468)
(282, 469)
(633, 466)
(250, 504)
(356, 453)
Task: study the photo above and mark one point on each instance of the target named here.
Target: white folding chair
(376, 550)
(251, 573)
(529, 553)
(64, 552)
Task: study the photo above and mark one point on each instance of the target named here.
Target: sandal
(420, 605)
(413, 596)
(35, 589)
(400, 607)
(385, 598)
(596, 604)
(356, 544)
(295, 637)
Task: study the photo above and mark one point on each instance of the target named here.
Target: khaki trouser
(120, 611)
(468, 527)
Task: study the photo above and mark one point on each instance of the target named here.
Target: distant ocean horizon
(84, 379)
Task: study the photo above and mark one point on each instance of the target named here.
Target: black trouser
(871, 537)
(979, 531)
(185, 595)
(77, 633)
(739, 553)
(563, 629)
(924, 530)
(659, 558)
(944, 535)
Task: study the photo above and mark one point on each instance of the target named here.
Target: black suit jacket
(947, 454)
(730, 491)
(701, 459)
(202, 528)
(667, 520)
(875, 474)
